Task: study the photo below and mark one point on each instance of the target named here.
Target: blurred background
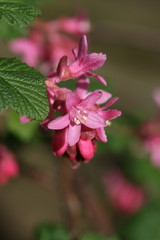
(118, 193)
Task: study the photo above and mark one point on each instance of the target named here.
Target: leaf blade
(18, 13)
(23, 88)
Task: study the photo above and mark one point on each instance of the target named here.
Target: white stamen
(76, 121)
(108, 123)
(84, 111)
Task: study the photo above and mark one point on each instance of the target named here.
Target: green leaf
(51, 232)
(18, 13)
(23, 88)
(25, 132)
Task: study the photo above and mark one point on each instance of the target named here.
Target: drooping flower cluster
(150, 133)
(47, 42)
(82, 120)
(8, 165)
(124, 195)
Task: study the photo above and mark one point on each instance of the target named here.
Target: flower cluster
(82, 118)
(124, 195)
(8, 165)
(83, 114)
(150, 133)
(47, 42)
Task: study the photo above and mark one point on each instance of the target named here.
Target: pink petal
(100, 79)
(28, 49)
(86, 149)
(110, 114)
(93, 61)
(24, 119)
(82, 86)
(62, 66)
(94, 121)
(59, 142)
(71, 100)
(101, 135)
(59, 122)
(83, 47)
(75, 52)
(105, 96)
(83, 65)
(74, 25)
(90, 100)
(110, 103)
(74, 134)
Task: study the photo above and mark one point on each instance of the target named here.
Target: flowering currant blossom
(150, 133)
(8, 165)
(47, 42)
(83, 123)
(124, 195)
(83, 64)
(82, 117)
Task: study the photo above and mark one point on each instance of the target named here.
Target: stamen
(84, 111)
(84, 118)
(109, 123)
(76, 121)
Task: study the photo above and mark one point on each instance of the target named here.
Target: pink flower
(82, 65)
(8, 165)
(124, 195)
(60, 146)
(83, 123)
(47, 42)
(29, 50)
(152, 146)
(150, 133)
(79, 112)
(77, 26)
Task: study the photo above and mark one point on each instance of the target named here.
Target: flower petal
(72, 100)
(85, 64)
(93, 61)
(86, 149)
(82, 86)
(74, 134)
(59, 142)
(93, 120)
(100, 79)
(105, 96)
(62, 66)
(83, 47)
(24, 119)
(91, 99)
(110, 103)
(59, 122)
(28, 49)
(101, 135)
(110, 114)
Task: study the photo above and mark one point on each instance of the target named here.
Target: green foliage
(56, 232)
(30, 2)
(18, 13)
(92, 236)
(25, 132)
(10, 32)
(145, 225)
(23, 88)
(51, 232)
